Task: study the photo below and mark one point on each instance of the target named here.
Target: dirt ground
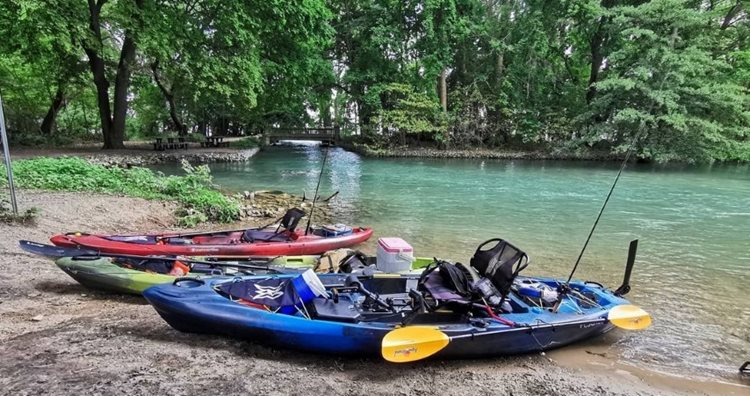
(57, 337)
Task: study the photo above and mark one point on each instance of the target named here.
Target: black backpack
(448, 285)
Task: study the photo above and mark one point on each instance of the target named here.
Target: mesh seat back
(501, 263)
(291, 218)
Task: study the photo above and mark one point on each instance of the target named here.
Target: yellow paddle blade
(629, 317)
(411, 343)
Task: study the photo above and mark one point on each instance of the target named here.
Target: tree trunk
(112, 118)
(48, 123)
(443, 88)
(96, 64)
(202, 128)
(731, 14)
(598, 41)
(499, 69)
(597, 58)
(169, 96)
(122, 83)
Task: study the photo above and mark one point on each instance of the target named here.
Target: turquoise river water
(693, 267)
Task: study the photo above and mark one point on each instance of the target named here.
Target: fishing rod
(315, 197)
(606, 200)
(631, 148)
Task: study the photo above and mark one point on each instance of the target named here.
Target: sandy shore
(57, 337)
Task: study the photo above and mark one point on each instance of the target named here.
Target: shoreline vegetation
(478, 153)
(199, 199)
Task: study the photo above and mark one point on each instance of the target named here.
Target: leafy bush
(245, 143)
(195, 137)
(404, 111)
(198, 196)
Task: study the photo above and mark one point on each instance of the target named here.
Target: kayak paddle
(629, 317)
(54, 251)
(412, 343)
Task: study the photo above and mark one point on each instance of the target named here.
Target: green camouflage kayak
(133, 276)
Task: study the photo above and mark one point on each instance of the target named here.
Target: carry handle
(187, 278)
(488, 241)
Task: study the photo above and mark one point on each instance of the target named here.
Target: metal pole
(6, 154)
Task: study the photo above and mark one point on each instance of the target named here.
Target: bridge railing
(326, 132)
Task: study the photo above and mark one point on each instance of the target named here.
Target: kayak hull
(194, 306)
(103, 274)
(303, 245)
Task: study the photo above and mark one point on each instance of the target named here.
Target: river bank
(141, 155)
(479, 153)
(58, 337)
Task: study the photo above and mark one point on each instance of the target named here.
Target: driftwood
(331, 197)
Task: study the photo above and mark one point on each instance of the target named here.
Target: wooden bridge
(327, 135)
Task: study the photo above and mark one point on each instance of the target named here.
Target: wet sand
(57, 337)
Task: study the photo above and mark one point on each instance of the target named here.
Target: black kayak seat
(288, 222)
(291, 219)
(136, 239)
(342, 311)
(501, 263)
(264, 236)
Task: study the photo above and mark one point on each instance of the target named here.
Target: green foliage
(570, 75)
(557, 75)
(245, 143)
(203, 64)
(200, 200)
(667, 79)
(402, 111)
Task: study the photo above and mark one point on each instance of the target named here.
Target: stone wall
(138, 158)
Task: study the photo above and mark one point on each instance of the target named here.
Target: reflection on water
(693, 268)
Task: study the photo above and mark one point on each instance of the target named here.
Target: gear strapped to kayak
(486, 309)
(485, 284)
(276, 294)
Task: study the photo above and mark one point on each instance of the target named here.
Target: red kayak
(234, 243)
(285, 240)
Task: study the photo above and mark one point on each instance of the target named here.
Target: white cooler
(394, 255)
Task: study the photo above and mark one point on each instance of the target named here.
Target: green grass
(245, 143)
(199, 199)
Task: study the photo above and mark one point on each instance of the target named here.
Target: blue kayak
(356, 311)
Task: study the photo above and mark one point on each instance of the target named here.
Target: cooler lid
(394, 245)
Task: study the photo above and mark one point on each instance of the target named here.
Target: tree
(128, 13)
(46, 58)
(666, 79)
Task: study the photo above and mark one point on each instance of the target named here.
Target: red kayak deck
(225, 245)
